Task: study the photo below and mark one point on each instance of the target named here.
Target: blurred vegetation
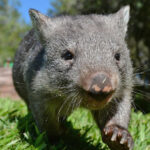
(138, 36)
(12, 29)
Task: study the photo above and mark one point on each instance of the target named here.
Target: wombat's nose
(100, 84)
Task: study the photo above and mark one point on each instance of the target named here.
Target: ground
(6, 84)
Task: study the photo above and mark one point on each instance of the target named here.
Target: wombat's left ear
(41, 23)
(123, 16)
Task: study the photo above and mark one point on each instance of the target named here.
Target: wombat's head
(86, 59)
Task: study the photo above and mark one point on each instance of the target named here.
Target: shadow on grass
(30, 133)
(73, 140)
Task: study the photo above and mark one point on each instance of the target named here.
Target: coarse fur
(52, 86)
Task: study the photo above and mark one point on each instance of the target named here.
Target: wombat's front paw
(117, 138)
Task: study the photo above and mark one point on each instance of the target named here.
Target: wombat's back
(20, 63)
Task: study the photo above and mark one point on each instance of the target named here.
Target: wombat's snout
(99, 86)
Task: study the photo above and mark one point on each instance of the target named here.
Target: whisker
(142, 72)
(61, 108)
(72, 101)
(75, 102)
(79, 102)
(137, 107)
(145, 96)
(143, 92)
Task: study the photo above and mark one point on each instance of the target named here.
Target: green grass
(19, 132)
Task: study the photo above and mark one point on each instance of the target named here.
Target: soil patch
(7, 89)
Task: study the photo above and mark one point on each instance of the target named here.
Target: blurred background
(15, 23)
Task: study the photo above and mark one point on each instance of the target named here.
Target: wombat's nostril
(96, 88)
(100, 83)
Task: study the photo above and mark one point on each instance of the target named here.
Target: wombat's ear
(41, 23)
(123, 16)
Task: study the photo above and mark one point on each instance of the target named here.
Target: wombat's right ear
(41, 23)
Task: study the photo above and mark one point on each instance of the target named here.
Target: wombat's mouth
(96, 102)
(101, 97)
(99, 102)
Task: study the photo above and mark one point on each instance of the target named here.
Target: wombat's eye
(117, 56)
(67, 55)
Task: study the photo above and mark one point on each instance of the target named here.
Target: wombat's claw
(117, 138)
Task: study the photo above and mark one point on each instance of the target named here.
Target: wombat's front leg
(117, 138)
(114, 124)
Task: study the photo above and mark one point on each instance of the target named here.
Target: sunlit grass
(19, 132)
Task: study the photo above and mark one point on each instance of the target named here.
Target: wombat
(70, 61)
